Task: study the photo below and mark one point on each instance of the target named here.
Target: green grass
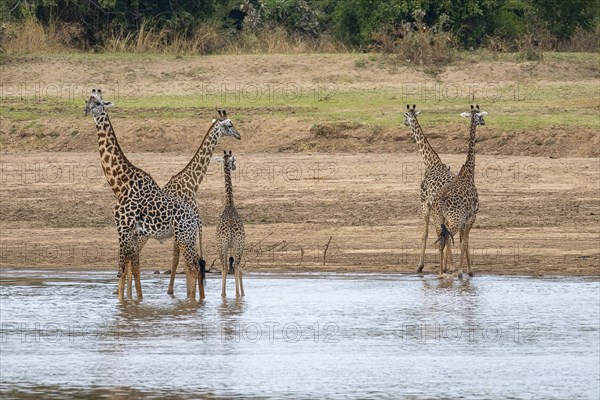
(534, 106)
(17, 115)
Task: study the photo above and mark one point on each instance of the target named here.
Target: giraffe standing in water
(230, 232)
(186, 183)
(437, 174)
(143, 209)
(455, 206)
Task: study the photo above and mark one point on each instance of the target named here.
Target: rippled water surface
(301, 336)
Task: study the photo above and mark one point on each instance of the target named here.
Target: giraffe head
(229, 160)
(95, 105)
(410, 116)
(224, 127)
(476, 115)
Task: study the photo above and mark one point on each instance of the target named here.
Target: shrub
(415, 43)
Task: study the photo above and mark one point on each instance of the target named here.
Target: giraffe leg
(233, 266)
(223, 252)
(188, 289)
(189, 254)
(449, 259)
(445, 238)
(141, 242)
(174, 267)
(191, 284)
(120, 288)
(442, 268)
(129, 261)
(188, 274)
(187, 245)
(122, 271)
(467, 232)
(238, 268)
(192, 274)
(137, 277)
(223, 282)
(469, 270)
(201, 277)
(125, 253)
(452, 229)
(201, 265)
(462, 254)
(464, 251)
(129, 286)
(426, 212)
(241, 283)
(237, 283)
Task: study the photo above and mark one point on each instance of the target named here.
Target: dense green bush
(564, 17)
(295, 15)
(182, 16)
(353, 22)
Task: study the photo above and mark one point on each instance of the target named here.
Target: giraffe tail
(444, 237)
(231, 269)
(202, 265)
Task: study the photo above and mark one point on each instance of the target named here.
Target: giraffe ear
(482, 114)
(465, 115)
(107, 104)
(417, 113)
(217, 159)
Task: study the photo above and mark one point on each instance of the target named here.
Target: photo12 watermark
(255, 93)
(455, 92)
(72, 92)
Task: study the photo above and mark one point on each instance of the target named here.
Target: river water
(301, 336)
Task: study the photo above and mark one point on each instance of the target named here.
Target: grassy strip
(539, 108)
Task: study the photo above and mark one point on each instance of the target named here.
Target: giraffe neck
(189, 178)
(117, 168)
(228, 185)
(467, 172)
(429, 156)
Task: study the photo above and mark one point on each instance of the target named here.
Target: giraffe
(143, 209)
(230, 232)
(437, 174)
(455, 206)
(186, 183)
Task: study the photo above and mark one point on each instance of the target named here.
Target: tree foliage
(354, 22)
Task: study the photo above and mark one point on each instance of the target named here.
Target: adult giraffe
(143, 209)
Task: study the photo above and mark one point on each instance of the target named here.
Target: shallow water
(301, 336)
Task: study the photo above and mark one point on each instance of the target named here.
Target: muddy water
(301, 336)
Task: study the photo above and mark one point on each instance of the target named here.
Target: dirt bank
(538, 216)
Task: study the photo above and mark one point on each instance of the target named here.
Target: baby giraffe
(230, 232)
